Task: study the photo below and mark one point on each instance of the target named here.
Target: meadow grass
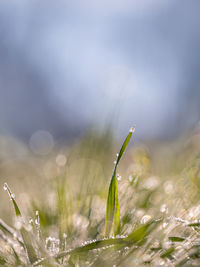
(148, 215)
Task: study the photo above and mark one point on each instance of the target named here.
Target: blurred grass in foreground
(62, 199)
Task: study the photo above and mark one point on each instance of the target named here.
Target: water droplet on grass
(18, 223)
(145, 219)
(164, 225)
(5, 186)
(119, 177)
(31, 221)
(164, 208)
(132, 129)
(130, 178)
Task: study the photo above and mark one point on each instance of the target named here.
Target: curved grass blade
(136, 237)
(86, 248)
(25, 234)
(143, 231)
(112, 209)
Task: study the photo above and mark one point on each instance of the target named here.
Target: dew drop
(145, 219)
(114, 161)
(164, 225)
(65, 235)
(119, 177)
(132, 129)
(5, 186)
(28, 227)
(168, 187)
(31, 221)
(130, 178)
(12, 195)
(18, 224)
(163, 208)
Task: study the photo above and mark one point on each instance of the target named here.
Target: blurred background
(74, 77)
(68, 65)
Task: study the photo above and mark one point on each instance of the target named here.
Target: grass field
(99, 203)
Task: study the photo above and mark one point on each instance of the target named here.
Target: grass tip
(5, 186)
(132, 129)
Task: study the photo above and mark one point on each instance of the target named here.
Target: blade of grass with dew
(97, 244)
(136, 237)
(140, 233)
(112, 209)
(88, 247)
(25, 234)
(10, 231)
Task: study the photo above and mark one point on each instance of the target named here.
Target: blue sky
(128, 60)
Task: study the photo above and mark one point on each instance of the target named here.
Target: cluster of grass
(141, 219)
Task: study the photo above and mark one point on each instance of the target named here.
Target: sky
(65, 65)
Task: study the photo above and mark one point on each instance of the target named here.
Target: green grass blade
(125, 144)
(176, 239)
(136, 237)
(116, 220)
(112, 209)
(24, 233)
(93, 245)
(17, 259)
(86, 248)
(140, 233)
(12, 198)
(194, 224)
(167, 253)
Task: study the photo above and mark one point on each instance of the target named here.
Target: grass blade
(194, 224)
(112, 209)
(86, 248)
(176, 239)
(167, 253)
(10, 231)
(140, 233)
(136, 237)
(25, 234)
